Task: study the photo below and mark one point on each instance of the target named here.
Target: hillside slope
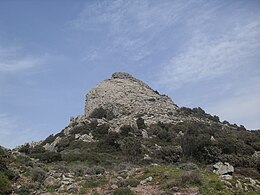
(132, 138)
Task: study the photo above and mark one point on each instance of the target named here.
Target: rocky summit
(132, 140)
(124, 95)
(122, 99)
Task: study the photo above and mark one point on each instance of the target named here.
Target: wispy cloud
(208, 54)
(11, 60)
(131, 26)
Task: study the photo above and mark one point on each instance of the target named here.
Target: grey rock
(87, 138)
(126, 97)
(77, 136)
(212, 138)
(147, 157)
(188, 166)
(252, 181)
(239, 185)
(226, 177)
(147, 180)
(223, 168)
(50, 181)
(227, 183)
(113, 186)
(256, 154)
(52, 146)
(145, 134)
(72, 187)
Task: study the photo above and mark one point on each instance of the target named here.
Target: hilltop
(132, 139)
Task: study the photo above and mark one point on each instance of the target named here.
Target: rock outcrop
(123, 95)
(223, 168)
(123, 98)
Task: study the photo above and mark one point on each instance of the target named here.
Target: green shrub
(5, 185)
(131, 182)
(23, 190)
(109, 142)
(140, 123)
(26, 189)
(194, 145)
(188, 166)
(123, 191)
(49, 140)
(79, 170)
(38, 174)
(93, 182)
(25, 148)
(154, 129)
(95, 170)
(37, 149)
(100, 113)
(63, 144)
(164, 135)
(101, 130)
(247, 172)
(84, 155)
(47, 156)
(125, 130)
(189, 178)
(131, 148)
(85, 129)
(169, 154)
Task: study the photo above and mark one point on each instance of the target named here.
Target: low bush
(125, 130)
(189, 178)
(131, 148)
(188, 166)
(47, 156)
(95, 170)
(109, 142)
(169, 154)
(38, 174)
(85, 155)
(100, 113)
(5, 184)
(48, 140)
(92, 182)
(247, 172)
(123, 191)
(101, 130)
(26, 189)
(140, 123)
(25, 148)
(128, 182)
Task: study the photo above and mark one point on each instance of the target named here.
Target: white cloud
(130, 26)
(11, 60)
(206, 58)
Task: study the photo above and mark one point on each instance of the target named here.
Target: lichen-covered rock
(50, 181)
(223, 168)
(147, 180)
(124, 98)
(52, 146)
(124, 94)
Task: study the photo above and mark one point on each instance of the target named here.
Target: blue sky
(200, 53)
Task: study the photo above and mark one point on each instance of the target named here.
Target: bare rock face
(223, 168)
(123, 95)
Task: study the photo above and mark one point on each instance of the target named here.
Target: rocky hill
(133, 140)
